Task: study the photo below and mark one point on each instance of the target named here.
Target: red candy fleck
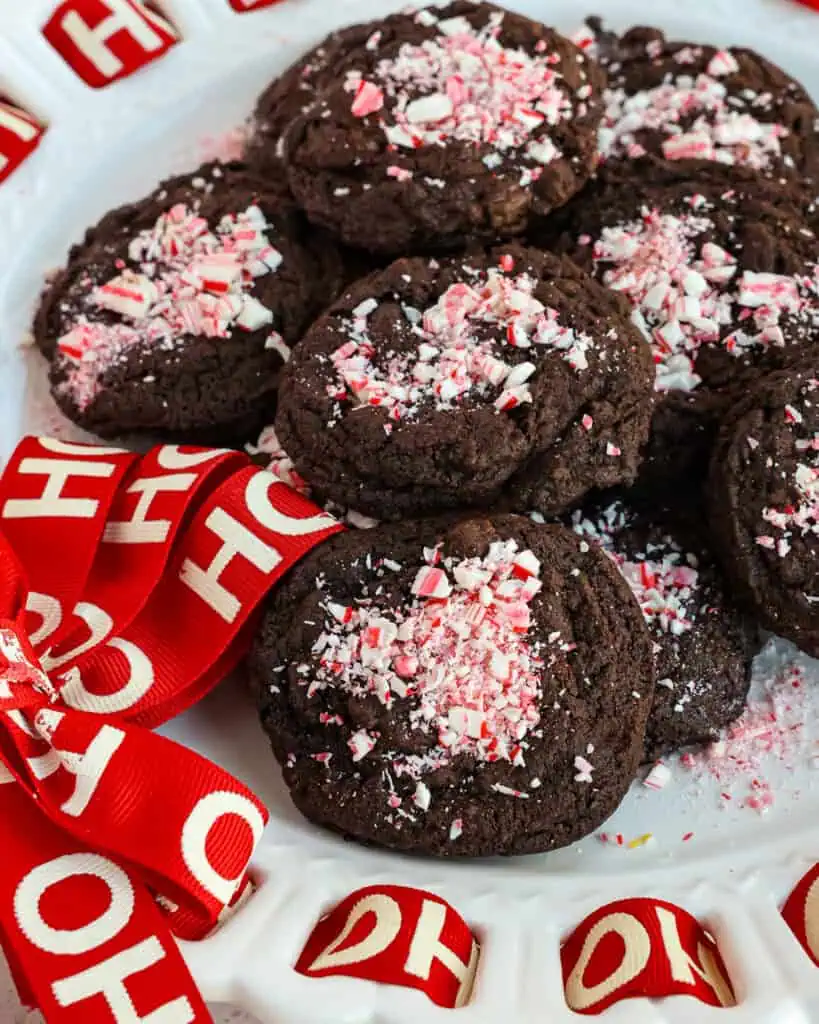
(368, 99)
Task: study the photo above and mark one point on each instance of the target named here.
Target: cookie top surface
(291, 94)
(764, 502)
(719, 264)
(209, 278)
(439, 383)
(434, 126)
(680, 100)
(702, 644)
(456, 688)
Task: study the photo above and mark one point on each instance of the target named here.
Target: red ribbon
(641, 947)
(801, 913)
(241, 6)
(20, 135)
(127, 586)
(106, 40)
(396, 936)
(400, 936)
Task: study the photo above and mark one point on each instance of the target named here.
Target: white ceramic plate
(113, 145)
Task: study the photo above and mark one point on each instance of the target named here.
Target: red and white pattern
(20, 135)
(687, 293)
(454, 359)
(632, 948)
(464, 85)
(184, 279)
(641, 947)
(396, 936)
(133, 621)
(106, 40)
(801, 913)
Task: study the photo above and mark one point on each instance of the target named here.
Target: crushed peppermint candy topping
(280, 464)
(799, 518)
(584, 770)
(698, 118)
(659, 776)
(464, 85)
(451, 361)
(459, 653)
(185, 279)
(663, 578)
(284, 469)
(687, 293)
(774, 733)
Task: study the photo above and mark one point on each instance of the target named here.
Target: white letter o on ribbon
(74, 941)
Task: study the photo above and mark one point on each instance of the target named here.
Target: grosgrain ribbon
(801, 913)
(641, 947)
(104, 41)
(396, 935)
(127, 588)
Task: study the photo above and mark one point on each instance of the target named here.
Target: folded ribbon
(127, 590)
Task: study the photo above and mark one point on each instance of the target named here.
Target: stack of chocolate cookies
(543, 316)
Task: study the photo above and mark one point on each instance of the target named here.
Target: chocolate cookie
(291, 94)
(434, 126)
(455, 688)
(176, 313)
(703, 647)
(720, 267)
(680, 100)
(764, 503)
(501, 376)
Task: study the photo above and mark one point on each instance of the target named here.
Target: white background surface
(106, 147)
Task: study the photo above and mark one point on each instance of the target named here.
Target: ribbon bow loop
(128, 586)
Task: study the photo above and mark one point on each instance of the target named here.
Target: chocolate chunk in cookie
(435, 126)
(502, 376)
(703, 646)
(456, 688)
(176, 313)
(764, 503)
(720, 266)
(678, 100)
